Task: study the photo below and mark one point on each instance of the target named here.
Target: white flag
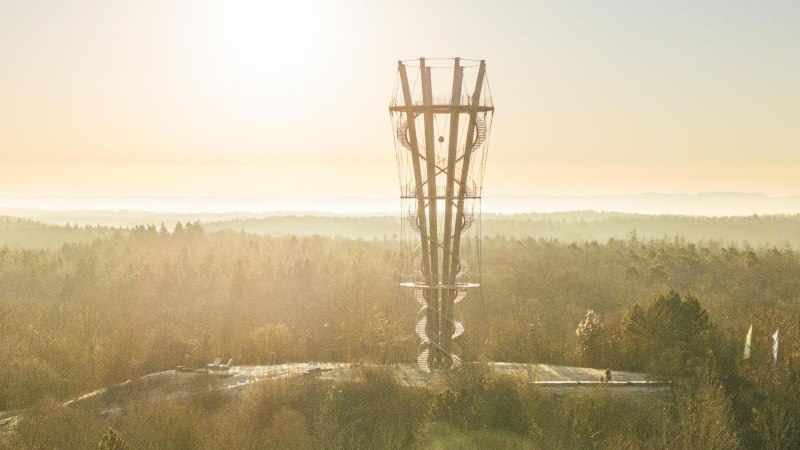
(748, 342)
(775, 347)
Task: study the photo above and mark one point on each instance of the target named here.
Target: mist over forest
(39, 229)
(85, 307)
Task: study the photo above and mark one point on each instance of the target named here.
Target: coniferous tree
(112, 441)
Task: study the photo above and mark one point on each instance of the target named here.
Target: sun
(239, 49)
(262, 36)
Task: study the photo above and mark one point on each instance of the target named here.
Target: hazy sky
(258, 98)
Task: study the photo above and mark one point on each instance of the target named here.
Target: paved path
(541, 374)
(177, 383)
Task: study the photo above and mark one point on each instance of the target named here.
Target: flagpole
(775, 346)
(748, 341)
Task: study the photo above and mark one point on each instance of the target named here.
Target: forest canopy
(120, 303)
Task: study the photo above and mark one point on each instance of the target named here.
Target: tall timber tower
(441, 113)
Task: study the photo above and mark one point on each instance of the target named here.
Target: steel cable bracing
(441, 141)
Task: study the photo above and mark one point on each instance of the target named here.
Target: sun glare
(247, 51)
(260, 34)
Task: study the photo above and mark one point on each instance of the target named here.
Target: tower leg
(430, 162)
(448, 295)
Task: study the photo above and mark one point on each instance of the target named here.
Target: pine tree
(112, 441)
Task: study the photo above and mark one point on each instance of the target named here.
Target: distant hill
(703, 204)
(774, 230)
(26, 233)
(770, 230)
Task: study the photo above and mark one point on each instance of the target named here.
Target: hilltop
(42, 229)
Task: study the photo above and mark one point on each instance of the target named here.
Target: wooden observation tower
(441, 113)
